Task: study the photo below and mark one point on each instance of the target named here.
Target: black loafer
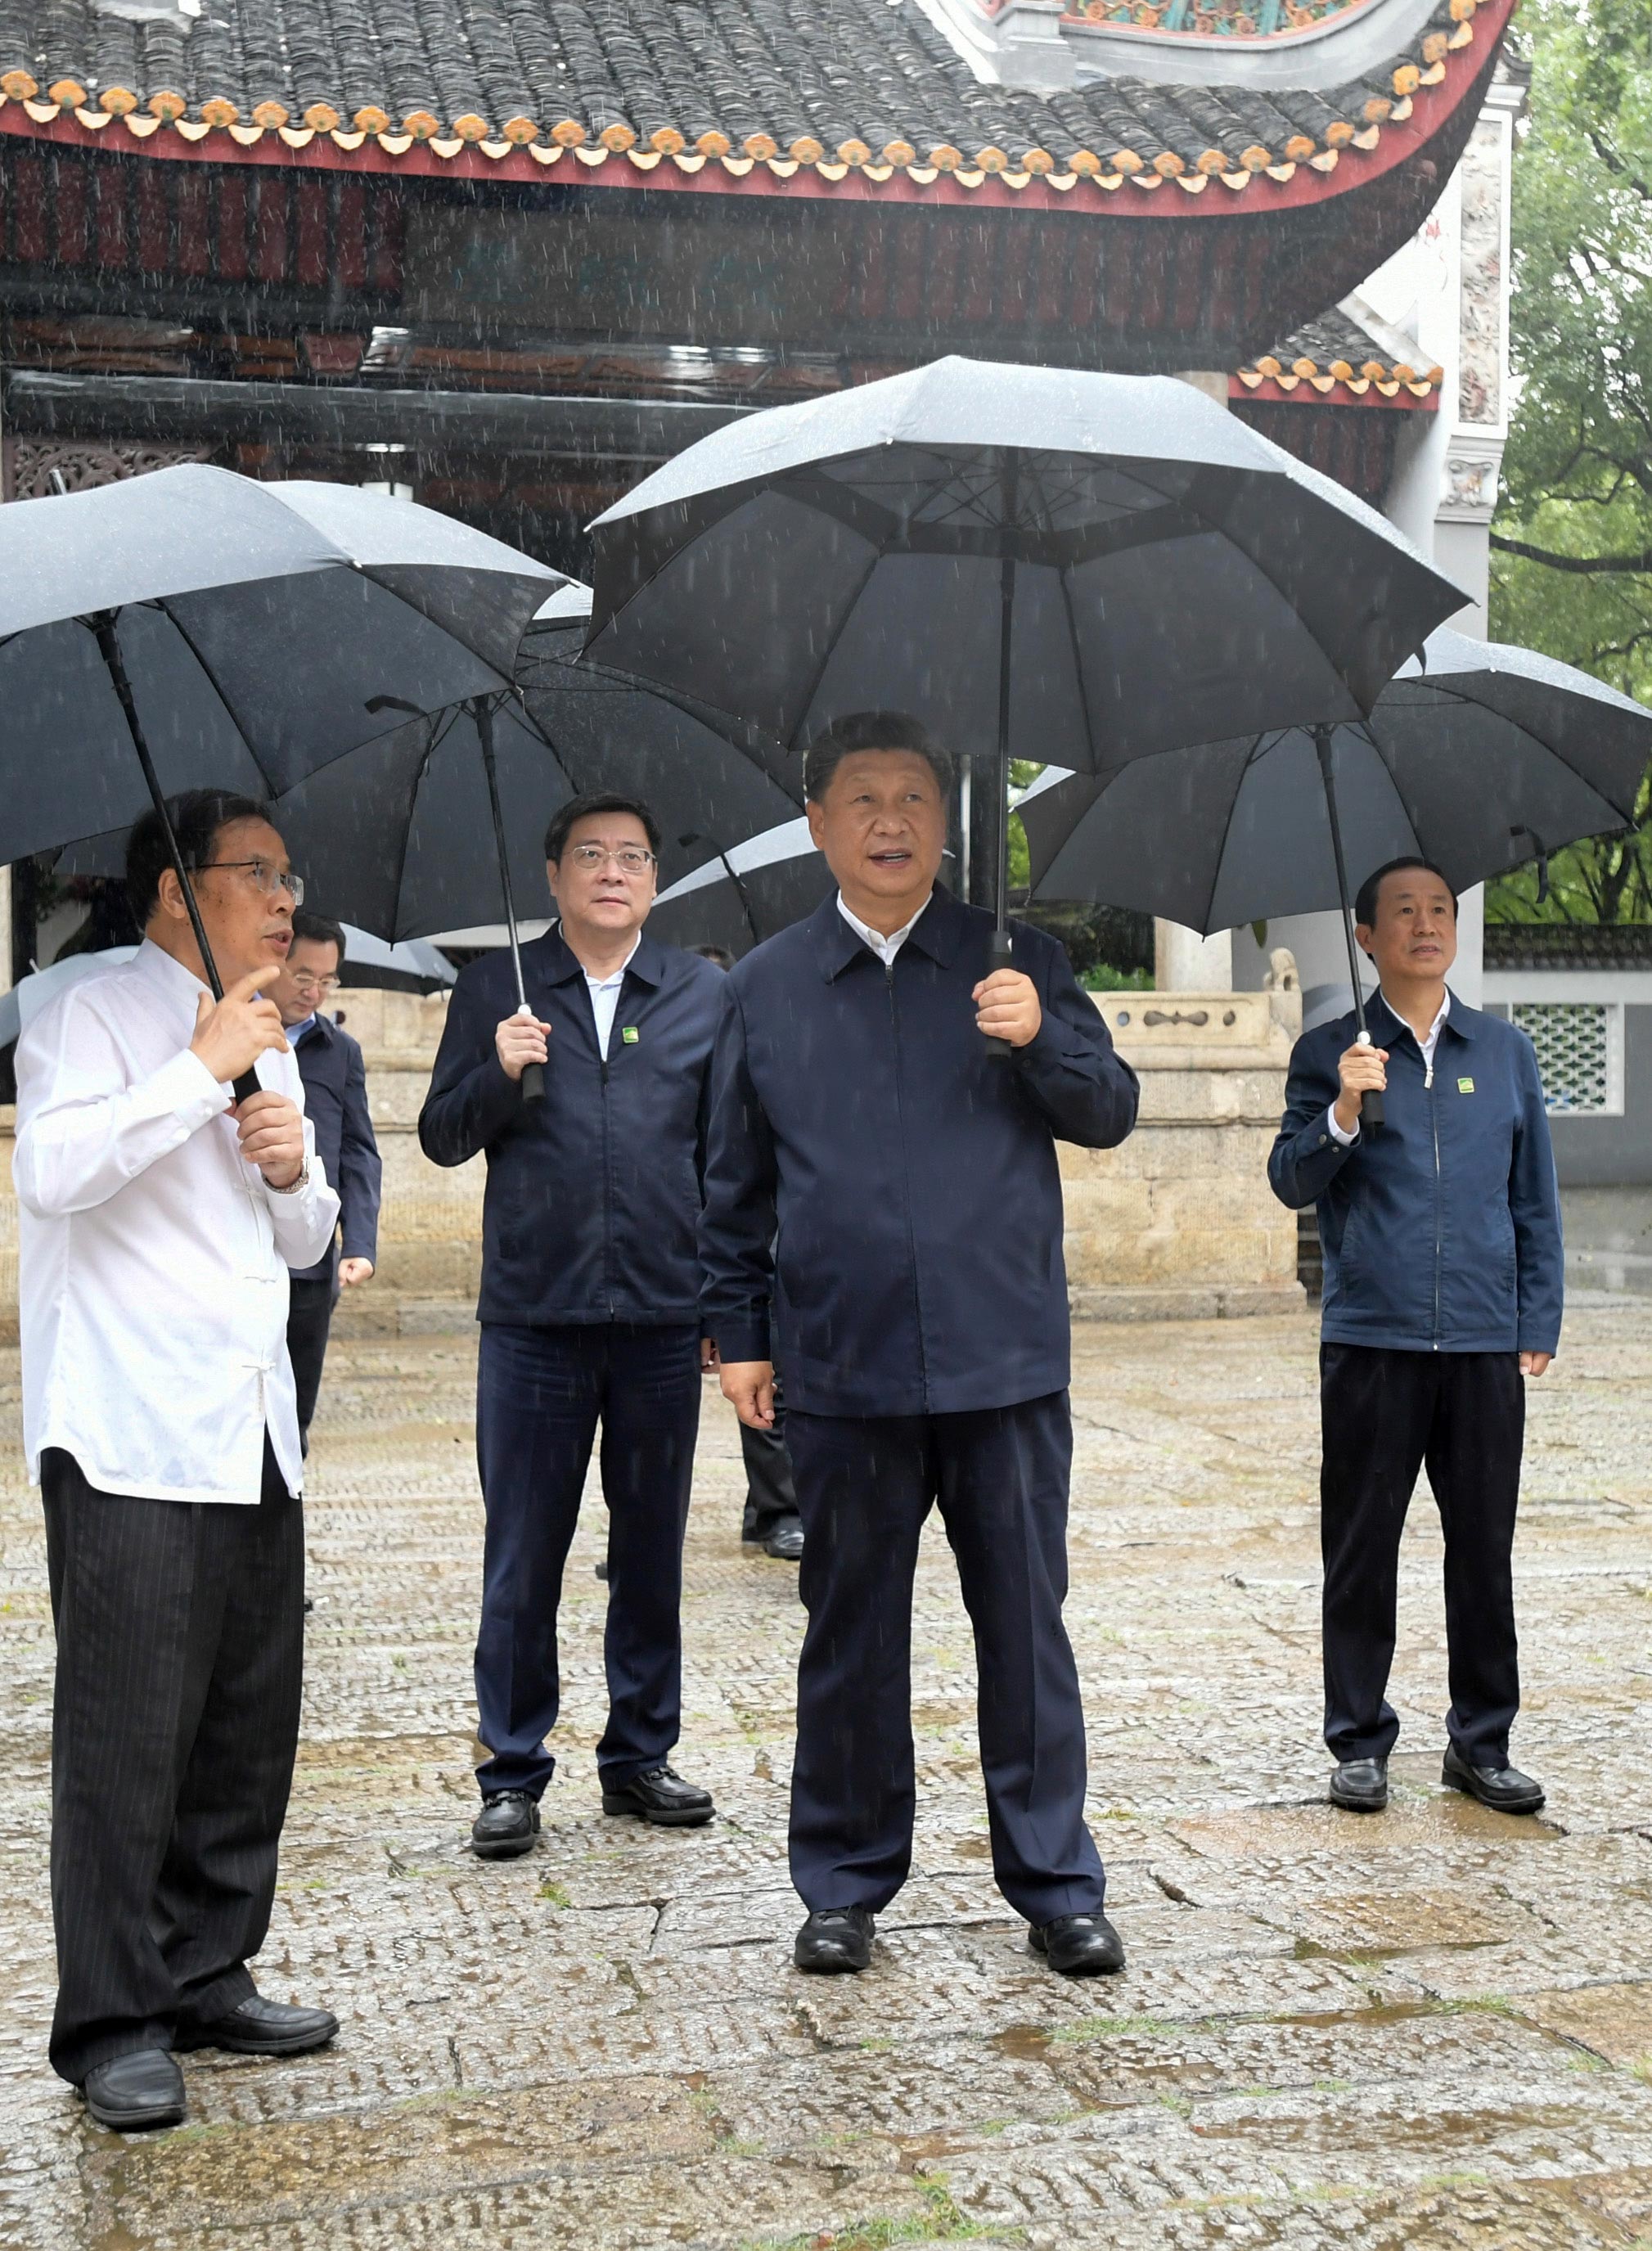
(133, 2094)
(1360, 1785)
(1078, 1945)
(506, 1827)
(784, 1541)
(662, 1796)
(1504, 1789)
(835, 1939)
(262, 2027)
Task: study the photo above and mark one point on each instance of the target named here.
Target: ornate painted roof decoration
(580, 89)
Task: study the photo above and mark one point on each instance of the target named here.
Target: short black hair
(1366, 899)
(199, 818)
(718, 954)
(319, 930)
(597, 801)
(871, 730)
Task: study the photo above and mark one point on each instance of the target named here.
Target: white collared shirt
(153, 1261)
(605, 995)
(1427, 1047)
(885, 948)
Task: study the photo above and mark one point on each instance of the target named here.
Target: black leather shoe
(1078, 1945)
(506, 1827)
(262, 2027)
(1504, 1789)
(834, 1939)
(1360, 1785)
(784, 1541)
(135, 2093)
(662, 1796)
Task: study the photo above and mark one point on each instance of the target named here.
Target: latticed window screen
(1578, 1048)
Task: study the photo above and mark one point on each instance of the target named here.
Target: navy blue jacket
(918, 1267)
(1441, 1230)
(329, 1063)
(593, 1194)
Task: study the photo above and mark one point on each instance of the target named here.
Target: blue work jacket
(1442, 1229)
(910, 1175)
(593, 1194)
(335, 1075)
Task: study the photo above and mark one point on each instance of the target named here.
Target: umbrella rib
(1531, 734)
(830, 647)
(216, 687)
(1249, 761)
(438, 734)
(1078, 658)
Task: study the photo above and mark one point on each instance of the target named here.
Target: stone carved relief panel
(1482, 371)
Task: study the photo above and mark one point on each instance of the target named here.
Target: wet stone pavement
(1430, 2029)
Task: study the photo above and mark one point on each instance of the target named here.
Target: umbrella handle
(1371, 1111)
(999, 955)
(533, 1077)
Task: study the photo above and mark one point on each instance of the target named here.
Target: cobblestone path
(1427, 2029)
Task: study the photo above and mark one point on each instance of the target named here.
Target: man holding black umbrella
(157, 1220)
(917, 1305)
(589, 1305)
(1444, 1275)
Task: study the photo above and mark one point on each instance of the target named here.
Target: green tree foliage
(1572, 550)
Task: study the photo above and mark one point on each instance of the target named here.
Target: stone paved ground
(1430, 2030)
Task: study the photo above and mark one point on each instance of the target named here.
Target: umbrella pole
(1000, 952)
(533, 1077)
(1371, 1107)
(115, 664)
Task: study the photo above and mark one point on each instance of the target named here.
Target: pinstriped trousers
(174, 1722)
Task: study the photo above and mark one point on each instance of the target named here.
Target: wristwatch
(292, 1187)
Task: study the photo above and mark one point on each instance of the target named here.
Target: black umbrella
(746, 894)
(1037, 563)
(459, 801)
(1478, 756)
(194, 628)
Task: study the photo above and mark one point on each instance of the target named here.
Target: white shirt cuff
(1337, 1132)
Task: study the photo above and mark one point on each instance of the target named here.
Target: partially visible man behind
(589, 1307)
(335, 1075)
(916, 1302)
(157, 1222)
(1443, 1286)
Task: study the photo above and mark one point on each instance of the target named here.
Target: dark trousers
(866, 1487)
(1386, 1415)
(540, 1394)
(175, 1720)
(772, 1495)
(309, 1317)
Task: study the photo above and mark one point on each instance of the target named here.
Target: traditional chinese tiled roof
(564, 87)
(1335, 361)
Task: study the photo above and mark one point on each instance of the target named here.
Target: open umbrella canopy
(256, 624)
(1172, 575)
(748, 894)
(399, 836)
(1479, 756)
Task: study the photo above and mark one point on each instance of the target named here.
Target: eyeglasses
(306, 980)
(631, 859)
(267, 876)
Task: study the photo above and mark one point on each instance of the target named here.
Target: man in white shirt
(157, 1220)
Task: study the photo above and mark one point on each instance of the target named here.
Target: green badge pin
(630, 1034)
(1465, 1086)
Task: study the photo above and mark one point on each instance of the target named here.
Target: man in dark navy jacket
(917, 1305)
(335, 1075)
(1443, 1286)
(589, 1305)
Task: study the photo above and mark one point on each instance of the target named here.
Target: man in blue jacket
(335, 1075)
(916, 1301)
(589, 1305)
(1443, 1286)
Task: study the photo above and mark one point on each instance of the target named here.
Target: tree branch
(1587, 565)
